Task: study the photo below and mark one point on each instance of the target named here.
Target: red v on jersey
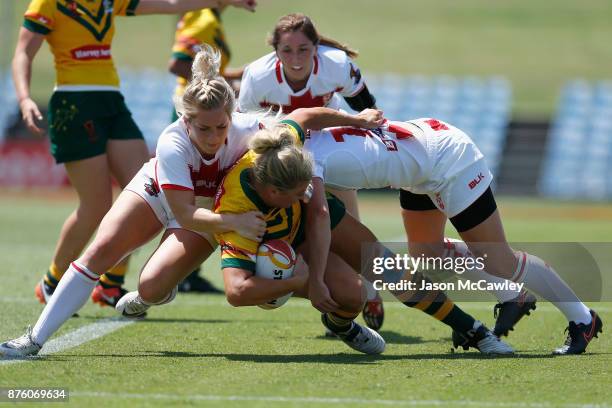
(206, 179)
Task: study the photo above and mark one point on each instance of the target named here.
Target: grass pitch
(200, 351)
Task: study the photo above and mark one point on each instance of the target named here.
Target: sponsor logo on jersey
(91, 52)
(472, 184)
(206, 179)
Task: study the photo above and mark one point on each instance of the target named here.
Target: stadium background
(225, 356)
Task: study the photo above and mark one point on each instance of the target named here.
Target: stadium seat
(148, 94)
(579, 149)
(8, 102)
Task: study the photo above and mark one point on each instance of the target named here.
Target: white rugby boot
(22, 346)
(360, 338)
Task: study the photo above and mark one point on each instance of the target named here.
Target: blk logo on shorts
(472, 184)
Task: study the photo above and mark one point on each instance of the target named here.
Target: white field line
(77, 337)
(215, 300)
(324, 400)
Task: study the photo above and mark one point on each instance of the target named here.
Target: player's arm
(318, 233)
(242, 288)
(28, 45)
(180, 67)
(181, 202)
(182, 6)
(362, 100)
(319, 118)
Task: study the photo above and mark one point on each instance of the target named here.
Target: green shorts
(336, 213)
(81, 122)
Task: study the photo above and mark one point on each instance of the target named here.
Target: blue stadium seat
(8, 102)
(579, 152)
(148, 94)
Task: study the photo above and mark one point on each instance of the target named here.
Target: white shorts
(146, 187)
(459, 173)
(461, 190)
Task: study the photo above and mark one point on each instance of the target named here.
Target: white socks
(70, 295)
(543, 280)
(455, 248)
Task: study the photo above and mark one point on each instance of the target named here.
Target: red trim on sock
(522, 271)
(80, 270)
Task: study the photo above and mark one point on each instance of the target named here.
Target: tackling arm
(242, 288)
(318, 233)
(319, 118)
(251, 224)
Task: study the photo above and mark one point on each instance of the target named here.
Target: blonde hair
(207, 89)
(279, 161)
(302, 23)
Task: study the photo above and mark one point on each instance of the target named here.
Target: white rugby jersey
(178, 165)
(264, 85)
(418, 155)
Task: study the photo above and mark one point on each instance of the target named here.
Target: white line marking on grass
(77, 337)
(323, 400)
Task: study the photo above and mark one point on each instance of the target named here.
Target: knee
(150, 292)
(501, 262)
(352, 298)
(101, 255)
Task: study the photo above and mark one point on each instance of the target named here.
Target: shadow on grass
(391, 337)
(169, 320)
(340, 358)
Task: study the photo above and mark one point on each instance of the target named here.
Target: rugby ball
(275, 260)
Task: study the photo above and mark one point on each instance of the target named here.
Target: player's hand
(31, 114)
(321, 299)
(371, 118)
(250, 225)
(245, 4)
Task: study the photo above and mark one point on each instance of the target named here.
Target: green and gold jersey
(235, 196)
(80, 33)
(195, 28)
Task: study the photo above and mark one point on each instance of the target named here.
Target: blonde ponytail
(207, 89)
(206, 64)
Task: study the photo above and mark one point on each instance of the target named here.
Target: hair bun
(206, 64)
(275, 140)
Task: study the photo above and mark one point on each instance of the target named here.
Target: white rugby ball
(275, 260)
